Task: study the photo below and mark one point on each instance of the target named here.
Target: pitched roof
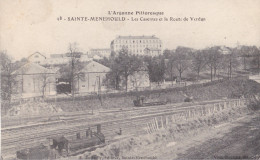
(136, 37)
(32, 68)
(36, 53)
(93, 66)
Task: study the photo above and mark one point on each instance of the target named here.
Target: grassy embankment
(234, 88)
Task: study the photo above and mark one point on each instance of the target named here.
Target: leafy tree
(122, 66)
(128, 64)
(170, 67)
(156, 69)
(254, 57)
(246, 52)
(114, 76)
(167, 53)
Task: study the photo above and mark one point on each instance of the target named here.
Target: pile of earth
(33, 108)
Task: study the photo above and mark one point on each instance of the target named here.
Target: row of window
(137, 46)
(137, 41)
(140, 51)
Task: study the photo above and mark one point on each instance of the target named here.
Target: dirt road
(239, 139)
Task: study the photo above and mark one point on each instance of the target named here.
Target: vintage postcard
(130, 79)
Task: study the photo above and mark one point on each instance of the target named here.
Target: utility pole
(99, 90)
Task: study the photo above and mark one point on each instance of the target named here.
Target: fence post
(155, 119)
(166, 121)
(152, 127)
(149, 125)
(162, 122)
(153, 124)
(148, 128)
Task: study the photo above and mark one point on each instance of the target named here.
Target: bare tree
(170, 65)
(214, 60)
(8, 80)
(75, 65)
(198, 62)
(182, 59)
(46, 79)
(231, 61)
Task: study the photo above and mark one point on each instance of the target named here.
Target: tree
(45, 78)
(8, 80)
(231, 61)
(198, 62)
(113, 77)
(213, 59)
(182, 57)
(168, 55)
(247, 52)
(128, 64)
(156, 69)
(255, 62)
(170, 67)
(72, 70)
(122, 66)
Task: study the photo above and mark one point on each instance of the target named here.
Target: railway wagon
(139, 102)
(60, 146)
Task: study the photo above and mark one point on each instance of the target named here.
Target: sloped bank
(234, 88)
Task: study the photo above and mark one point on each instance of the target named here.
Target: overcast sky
(28, 26)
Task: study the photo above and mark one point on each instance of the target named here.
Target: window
(83, 86)
(36, 56)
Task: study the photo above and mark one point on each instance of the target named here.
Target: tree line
(171, 65)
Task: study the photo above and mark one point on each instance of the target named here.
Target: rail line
(130, 125)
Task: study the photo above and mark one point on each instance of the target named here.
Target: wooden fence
(163, 122)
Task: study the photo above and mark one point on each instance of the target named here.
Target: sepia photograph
(130, 79)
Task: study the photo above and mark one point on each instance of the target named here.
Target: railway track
(41, 130)
(129, 125)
